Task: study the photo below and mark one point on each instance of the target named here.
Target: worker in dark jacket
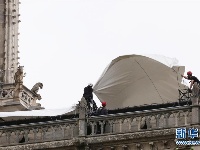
(88, 95)
(88, 90)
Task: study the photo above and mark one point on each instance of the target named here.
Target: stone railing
(28, 99)
(139, 120)
(38, 132)
(128, 122)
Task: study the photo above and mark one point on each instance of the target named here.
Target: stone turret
(13, 94)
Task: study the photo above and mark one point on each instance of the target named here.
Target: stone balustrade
(112, 124)
(38, 132)
(139, 120)
(28, 98)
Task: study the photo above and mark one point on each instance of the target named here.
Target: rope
(178, 78)
(150, 80)
(177, 75)
(184, 94)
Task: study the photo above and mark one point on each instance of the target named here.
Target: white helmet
(90, 84)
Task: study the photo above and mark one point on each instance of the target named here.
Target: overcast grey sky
(66, 44)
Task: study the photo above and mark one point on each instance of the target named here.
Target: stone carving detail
(18, 77)
(26, 98)
(36, 88)
(6, 93)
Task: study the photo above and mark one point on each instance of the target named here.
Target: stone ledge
(98, 139)
(131, 136)
(44, 145)
(93, 140)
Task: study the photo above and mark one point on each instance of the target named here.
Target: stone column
(82, 118)
(195, 110)
(9, 20)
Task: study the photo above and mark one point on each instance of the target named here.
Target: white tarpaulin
(135, 80)
(43, 112)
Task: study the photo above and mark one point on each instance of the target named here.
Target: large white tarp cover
(135, 80)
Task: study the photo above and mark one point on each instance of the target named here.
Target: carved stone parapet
(17, 94)
(28, 99)
(42, 129)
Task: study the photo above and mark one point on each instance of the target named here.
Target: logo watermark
(183, 133)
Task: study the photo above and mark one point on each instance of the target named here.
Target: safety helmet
(189, 73)
(90, 84)
(103, 104)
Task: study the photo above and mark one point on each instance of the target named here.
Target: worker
(192, 79)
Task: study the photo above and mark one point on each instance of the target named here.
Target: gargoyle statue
(18, 78)
(36, 88)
